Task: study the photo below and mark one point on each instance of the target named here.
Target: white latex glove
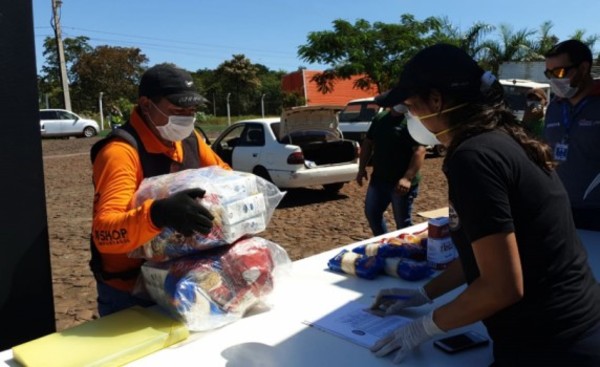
(407, 338)
(391, 301)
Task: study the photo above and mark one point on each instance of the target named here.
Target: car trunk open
(315, 130)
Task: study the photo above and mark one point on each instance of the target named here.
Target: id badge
(560, 152)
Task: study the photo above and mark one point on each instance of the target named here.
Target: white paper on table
(353, 323)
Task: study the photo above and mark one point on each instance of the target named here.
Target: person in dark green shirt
(396, 159)
(533, 118)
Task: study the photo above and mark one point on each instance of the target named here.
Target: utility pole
(56, 4)
(228, 110)
(101, 111)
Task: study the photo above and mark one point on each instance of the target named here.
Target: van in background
(515, 91)
(356, 118)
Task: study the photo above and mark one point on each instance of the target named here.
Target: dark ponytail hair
(487, 111)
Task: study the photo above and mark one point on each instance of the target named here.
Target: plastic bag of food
(406, 245)
(241, 203)
(407, 269)
(368, 267)
(216, 287)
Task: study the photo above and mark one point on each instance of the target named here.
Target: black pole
(26, 300)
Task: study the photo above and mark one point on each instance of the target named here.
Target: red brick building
(300, 82)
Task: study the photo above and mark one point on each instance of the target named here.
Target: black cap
(174, 84)
(441, 66)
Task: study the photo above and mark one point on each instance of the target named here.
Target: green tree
(472, 41)
(49, 81)
(115, 71)
(378, 51)
(545, 39)
(512, 46)
(238, 76)
(590, 40)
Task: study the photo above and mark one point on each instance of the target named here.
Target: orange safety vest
(120, 162)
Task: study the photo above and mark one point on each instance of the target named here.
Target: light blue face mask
(562, 87)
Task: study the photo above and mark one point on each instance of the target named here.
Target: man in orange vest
(159, 138)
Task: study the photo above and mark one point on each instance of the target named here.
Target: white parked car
(56, 122)
(302, 148)
(355, 118)
(515, 93)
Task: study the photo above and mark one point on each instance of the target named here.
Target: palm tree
(513, 46)
(546, 40)
(470, 41)
(589, 41)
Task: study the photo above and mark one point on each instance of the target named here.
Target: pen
(396, 297)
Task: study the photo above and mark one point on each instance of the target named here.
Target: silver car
(56, 122)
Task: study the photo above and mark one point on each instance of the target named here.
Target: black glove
(182, 212)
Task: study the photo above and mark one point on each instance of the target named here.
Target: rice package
(216, 287)
(406, 245)
(241, 203)
(368, 267)
(407, 269)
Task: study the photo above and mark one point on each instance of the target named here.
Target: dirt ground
(306, 222)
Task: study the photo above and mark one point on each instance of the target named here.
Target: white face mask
(562, 87)
(177, 127)
(419, 132)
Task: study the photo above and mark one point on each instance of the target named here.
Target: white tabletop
(277, 337)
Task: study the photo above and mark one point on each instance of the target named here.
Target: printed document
(356, 324)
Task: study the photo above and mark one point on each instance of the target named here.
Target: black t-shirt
(393, 147)
(495, 188)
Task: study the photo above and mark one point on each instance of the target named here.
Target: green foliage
(293, 99)
(115, 71)
(378, 50)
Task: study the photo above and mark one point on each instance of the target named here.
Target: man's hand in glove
(182, 212)
(407, 338)
(391, 301)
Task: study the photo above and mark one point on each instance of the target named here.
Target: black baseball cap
(441, 66)
(174, 84)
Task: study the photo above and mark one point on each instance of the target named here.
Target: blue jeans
(379, 196)
(111, 300)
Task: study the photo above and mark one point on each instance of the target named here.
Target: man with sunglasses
(158, 139)
(572, 128)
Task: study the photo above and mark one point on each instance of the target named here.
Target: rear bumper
(315, 176)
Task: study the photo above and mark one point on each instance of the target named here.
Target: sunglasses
(560, 72)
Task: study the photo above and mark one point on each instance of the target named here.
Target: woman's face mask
(177, 128)
(420, 133)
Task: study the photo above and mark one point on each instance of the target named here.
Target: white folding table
(278, 336)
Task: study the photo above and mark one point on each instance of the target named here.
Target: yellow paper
(113, 340)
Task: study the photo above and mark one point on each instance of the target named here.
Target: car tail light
(296, 158)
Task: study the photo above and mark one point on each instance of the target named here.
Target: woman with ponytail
(526, 271)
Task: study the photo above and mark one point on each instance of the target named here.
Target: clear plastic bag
(216, 287)
(242, 204)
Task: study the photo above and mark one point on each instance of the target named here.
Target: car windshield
(355, 112)
(515, 97)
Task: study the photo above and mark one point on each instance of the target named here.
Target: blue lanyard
(568, 117)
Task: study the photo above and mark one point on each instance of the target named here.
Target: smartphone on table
(459, 342)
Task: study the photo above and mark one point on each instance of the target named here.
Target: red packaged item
(216, 287)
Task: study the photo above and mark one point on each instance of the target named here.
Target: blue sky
(198, 34)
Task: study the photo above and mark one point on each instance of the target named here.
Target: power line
(181, 50)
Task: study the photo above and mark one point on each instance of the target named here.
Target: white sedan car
(56, 122)
(303, 148)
